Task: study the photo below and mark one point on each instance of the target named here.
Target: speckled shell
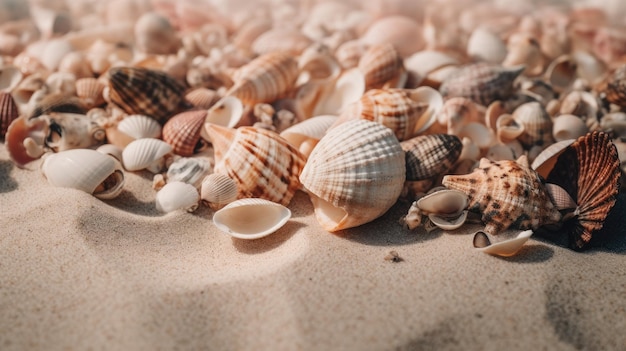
(144, 91)
(616, 87)
(482, 82)
(8, 112)
(140, 126)
(262, 163)
(218, 190)
(507, 193)
(537, 125)
(354, 174)
(380, 64)
(428, 156)
(72, 131)
(177, 196)
(182, 132)
(89, 91)
(145, 153)
(589, 171)
(265, 79)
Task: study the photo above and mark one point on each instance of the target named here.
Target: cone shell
(354, 174)
(380, 64)
(144, 91)
(616, 87)
(218, 190)
(8, 112)
(177, 196)
(140, 126)
(262, 163)
(251, 218)
(537, 125)
(183, 130)
(428, 156)
(89, 91)
(589, 171)
(145, 153)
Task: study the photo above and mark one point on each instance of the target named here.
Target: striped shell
(144, 91)
(262, 218)
(616, 87)
(536, 123)
(190, 170)
(182, 132)
(218, 190)
(265, 79)
(57, 102)
(145, 153)
(8, 112)
(262, 163)
(202, 98)
(380, 64)
(429, 156)
(354, 174)
(89, 91)
(140, 126)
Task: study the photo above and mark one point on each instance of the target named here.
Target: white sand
(79, 273)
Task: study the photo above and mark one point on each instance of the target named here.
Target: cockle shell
(177, 196)
(306, 134)
(262, 163)
(218, 190)
(90, 90)
(507, 193)
(190, 170)
(86, 170)
(251, 218)
(537, 125)
(381, 64)
(182, 132)
(143, 91)
(202, 98)
(140, 126)
(429, 156)
(505, 248)
(146, 153)
(354, 175)
(72, 131)
(8, 112)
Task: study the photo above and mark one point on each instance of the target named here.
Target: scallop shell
(251, 218)
(177, 196)
(218, 190)
(146, 153)
(589, 171)
(202, 98)
(505, 248)
(86, 170)
(380, 64)
(267, 78)
(140, 126)
(8, 112)
(306, 134)
(429, 156)
(89, 91)
(182, 132)
(482, 82)
(72, 131)
(354, 174)
(568, 127)
(262, 163)
(190, 170)
(143, 91)
(537, 125)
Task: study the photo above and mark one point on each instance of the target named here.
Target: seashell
(67, 131)
(480, 135)
(202, 98)
(146, 153)
(317, 63)
(111, 150)
(76, 63)
(349, 53)
(537, 125)
(265, 79)
(140, 126)
(589, 172)
(482, 82)
(143, 91)
(428, 156)
(614, 122)
(470, 150)
(568, 127)
(89, 90)
(10, 77)
(499, 152)
(380, 64)
(354, 175)
(251, 30)
(182, 132)
(559, 196)
(177, 196)
(262, 218)
(456, 112)
(24, 139)
(263, 164)
(590, 67)
(154, 34)
(507, 194)
(61, 82)
(207, 77)
(402, 32)
(525, 50)
(424, 62)
(218, 190)
(507, 128)
(227, 112)
(49, 22)
(331, 98)
(279, 39)
(544, 162)
(505, 248)
(616, 87)
(561, 73)
(8, 112)
(445, 208)
(56, 102)
(190, 170)
(484, 45)
(306, 134)
(580, 103)
(86, 170)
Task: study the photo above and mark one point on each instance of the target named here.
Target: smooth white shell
(177, 196)
(140, 126)
(226, 112)
(145, 153)
(484, 45)
(251, 218)
(568, 127)
(507, 247)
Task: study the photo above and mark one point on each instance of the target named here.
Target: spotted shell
(146, 153)
(144, 91)
(354, 175)
(182, 132)
(380, 64)
(616, 87)
(428, 156)
(536, 123)
(8, 112)
(72, 131)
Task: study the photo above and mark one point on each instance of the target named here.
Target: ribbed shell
(183, 130)
(142, 153)
(218, 190)
(380, 64)
(89, 91)
(589, 171)
(428, 156)
(537, 125)
(140, 126)
(265, 79)
(507, 193)
(8, 112)
(482, 82)
(144, 91)
(392, 108)
(616, 87)
(354, 174)
(202, 98)
(262, 163)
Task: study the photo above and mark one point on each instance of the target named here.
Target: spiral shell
(145, 153)
(182, 132)
(218, 190)
(428, 156)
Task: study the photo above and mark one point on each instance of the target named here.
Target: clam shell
(182, 132)
(90, 90)
(503, 248)
(86, 170)
(177, 196)
(402, 32)
(428, 156)
(354, 175)
(8, 112)
(146, 153)
(306, 134)
(537, 125)
(190, 170)
(251, 218)
(544, 162)
(218, 190)
(140, 126)
(445, 202)
(380, 64)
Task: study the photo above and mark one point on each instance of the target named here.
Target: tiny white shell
(145, 153)
(177, 196)
(504, 248)
(251, 218)
(140, 126)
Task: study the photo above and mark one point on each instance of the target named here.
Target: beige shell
(146, 153)
(67, 131)
(202, 98)
(537, 125)
(306, 134)
(402, 32)
(457, 112)
(568, 127)
(507, 128)
(177, 196)
(429, 156)
(525, 50)
(251, 218)
(317, 98)
(349, 53)
(445, 208)
(616, 87)
(484, 45)
(90, 90)
(218, 190)
(190, 170)
(424, 62)
(182, 132)
(279, 39)
(10, 77)
(154, 34)
(8, 112)
(354, 174)
(381, 64)
(580, 103)
(505, 248)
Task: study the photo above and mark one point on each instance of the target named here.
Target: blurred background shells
(429, 156)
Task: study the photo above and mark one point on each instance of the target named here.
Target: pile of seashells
(515, 113)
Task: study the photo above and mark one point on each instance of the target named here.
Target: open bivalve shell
(177, 196)
(251, 218)
(446, 208)
(505, 248)
(146, 153)
(85, 169)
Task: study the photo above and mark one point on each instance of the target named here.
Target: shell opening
(328, 215)
(111, 186)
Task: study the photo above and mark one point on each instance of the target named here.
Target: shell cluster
(519, 112)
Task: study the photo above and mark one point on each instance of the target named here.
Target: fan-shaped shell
(177, 196)
(146, 153)
(428, 156)
(306, 134)
(8, 112)
(182, 132)
(251, 218)
(86, 170)
(354, 175)
(190, 170)
(380, 64)
(140, 126)
(537, 125)
(90, 90)
(218, 190)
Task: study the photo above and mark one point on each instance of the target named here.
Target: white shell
(251, 218)
(347, 89)
(84, 169)
(443, 202)
(568, 127)
(484, 45)
(448, 223)
(435, 103)
(140, 126)
(507, 247)
(226, 112)
(177, 196)
(190, 170)
(145, 153)
(111, 150)
(426, 61)
(218, 190)
(306, 134)
(479, 134)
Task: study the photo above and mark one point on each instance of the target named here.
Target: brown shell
(616, 87)
(182, 132)
(589, 171)
(89, 91)
(144, 91)
(58, 102)
(380, 64)
(429, 156)
(482, 82)
(8, 112)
